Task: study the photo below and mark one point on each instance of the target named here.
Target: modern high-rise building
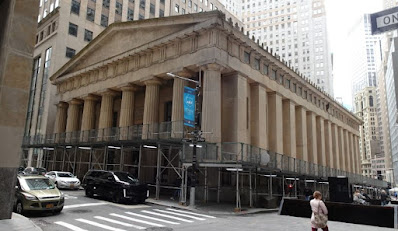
(66, 27)
(365, 55)
(365, 109)
(296, 31)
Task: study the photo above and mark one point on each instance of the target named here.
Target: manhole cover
(160, 229)
(80, 211)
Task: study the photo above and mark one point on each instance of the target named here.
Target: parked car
(37, 193)
(63, 179)
(116, 186)
(34, 171)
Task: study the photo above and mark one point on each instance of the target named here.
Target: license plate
(72, 185)
(49, 206)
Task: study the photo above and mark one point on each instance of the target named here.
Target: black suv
(116, 186)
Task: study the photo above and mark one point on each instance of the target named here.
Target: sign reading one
(385, 20)
(189, 106)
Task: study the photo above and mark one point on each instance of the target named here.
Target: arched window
(371, 101)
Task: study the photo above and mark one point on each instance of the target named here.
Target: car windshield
(65, 174)
(123, 176)
(36, 184)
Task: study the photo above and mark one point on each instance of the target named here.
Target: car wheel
(19, 207)
(116, 199)
(89, 192)
(57, 211)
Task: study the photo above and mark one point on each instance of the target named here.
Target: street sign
(385, 20)
(189, 106)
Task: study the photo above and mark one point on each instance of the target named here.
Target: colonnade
(233, 110)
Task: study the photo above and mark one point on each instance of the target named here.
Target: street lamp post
(197, 133)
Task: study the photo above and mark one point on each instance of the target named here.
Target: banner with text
(189, 106)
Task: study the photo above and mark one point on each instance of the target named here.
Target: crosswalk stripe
(99, 225)
(164, 215)
(136, 220)
(179, 214)
(197, 214)
(118, 222)
(69, 226)
(152, 218)
(84, 205)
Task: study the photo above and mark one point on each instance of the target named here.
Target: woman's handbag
(320, 218)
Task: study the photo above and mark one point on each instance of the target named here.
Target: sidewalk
(18, 222)
(210, 207)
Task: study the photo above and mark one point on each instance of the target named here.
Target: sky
(341, 16)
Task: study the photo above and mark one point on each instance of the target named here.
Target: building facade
(65, 27)
(119, 109)
(296, 31)
(366, 55)
(369, 146)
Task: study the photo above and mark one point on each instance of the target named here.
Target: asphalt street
(82, 213)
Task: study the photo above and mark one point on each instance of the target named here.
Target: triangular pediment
(120, 38)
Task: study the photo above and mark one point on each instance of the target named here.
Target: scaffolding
(228, 172)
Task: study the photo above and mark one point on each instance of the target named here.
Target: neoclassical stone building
(118, 109)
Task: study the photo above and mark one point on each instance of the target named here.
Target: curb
(215, 213)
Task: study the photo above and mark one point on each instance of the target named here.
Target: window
(189, 3)
(371, 101)
(141, 17)
(88, 35)
(47, 62)
(70, 52)
(162, 1)
(118, 9)
(273, 74)
(142, 4)
(265, 69)
(90, 14)
(280, 79)
(130, 14)
(257, 64)
(167, 111)
(75, 8)
(152, 9)
(182, 11)
(195, 7)
(211, 6)
(104, 20)
(73, 29)
(35, 73)
(246, 57)
(161, 13)
(177, 8)
(105, 3)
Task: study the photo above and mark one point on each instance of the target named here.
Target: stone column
(328, 144)
(151, 109)
(60, 121)
(177, 110)
(106, 114)
(72, 123)
(320, 139)
(342, 150)
(301, 133)
(352, 152)
(258, 117)
(347, 150)
(311, 138)
(275, 135)
(211, 104)
(289, 128)
(88, 118)
(335, 146)
(358, 156)
(127, 106)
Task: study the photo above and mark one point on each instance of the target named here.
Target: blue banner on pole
(189, 106)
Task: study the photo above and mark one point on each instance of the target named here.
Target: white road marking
(130, 206)
(69, 226)
(179, 214)
(99, 225)
(136, 220)
(84, 205)
(118, 222)
(164, 215)
(152, 218)
(197, 214)
(69, 197)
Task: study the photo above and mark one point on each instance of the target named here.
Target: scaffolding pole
(139, 163)
(121, 158)
(270, 186)
(54, 157)
(219, 185)
(283, 186)
(74, 162)
(206, 186)
(237, 207)
(250, 189)
(63, 159)
(158, 173)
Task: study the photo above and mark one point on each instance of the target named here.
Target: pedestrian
(307, 194)
(383, 198)
(358, 198)
(319, 213)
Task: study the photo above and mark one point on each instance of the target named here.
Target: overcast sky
(341, 16)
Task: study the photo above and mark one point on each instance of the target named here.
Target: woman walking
(319, 213)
